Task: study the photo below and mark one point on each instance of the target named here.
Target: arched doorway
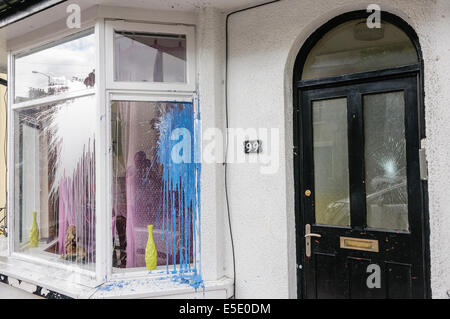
(361, 212)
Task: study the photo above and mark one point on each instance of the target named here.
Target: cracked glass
(385, 161)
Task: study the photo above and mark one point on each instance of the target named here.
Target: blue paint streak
(181, 194)
(194, 280)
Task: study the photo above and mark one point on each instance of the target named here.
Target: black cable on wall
(226, 134)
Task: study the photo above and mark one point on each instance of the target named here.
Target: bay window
(96, 117)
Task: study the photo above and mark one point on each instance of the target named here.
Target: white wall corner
(211, 59)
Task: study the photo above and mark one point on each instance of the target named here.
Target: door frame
(298, 84)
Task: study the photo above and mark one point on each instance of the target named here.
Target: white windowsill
(51, 278)
(156, 285)
(163, 287)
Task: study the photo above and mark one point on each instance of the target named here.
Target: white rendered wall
(210, 62)
(264, 43)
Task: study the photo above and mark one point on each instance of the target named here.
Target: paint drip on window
(178, 148)
(55, 169)
(156, 181)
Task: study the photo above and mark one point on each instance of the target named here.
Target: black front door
(359, 191)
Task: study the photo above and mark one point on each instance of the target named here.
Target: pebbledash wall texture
(263, 220)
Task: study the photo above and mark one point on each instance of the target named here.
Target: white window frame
(104, 91)
(88, 277)
(142, 92)
(188, 31)
(132, 96)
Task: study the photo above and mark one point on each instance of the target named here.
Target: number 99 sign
(252, 146)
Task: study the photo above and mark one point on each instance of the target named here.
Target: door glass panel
(331, 162)
(385, 160)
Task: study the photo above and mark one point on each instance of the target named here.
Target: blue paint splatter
(112, 285)
(180, 207)
(195, 280)
(179, 211)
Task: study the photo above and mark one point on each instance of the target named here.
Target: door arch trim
(373, 75)
(312, 40)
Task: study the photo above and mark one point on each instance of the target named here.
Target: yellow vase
(34, 232)
(151, 255)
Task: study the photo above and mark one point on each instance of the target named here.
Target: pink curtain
(142, 183)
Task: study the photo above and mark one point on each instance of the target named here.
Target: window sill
(163, 287)
(29, 276)
(54, 279)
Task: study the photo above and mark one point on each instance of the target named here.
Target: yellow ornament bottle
(151, 255)
(34, 232)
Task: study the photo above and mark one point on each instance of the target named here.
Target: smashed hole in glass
(150, 188)
(385, 161)
(61, 67)
(55, 177)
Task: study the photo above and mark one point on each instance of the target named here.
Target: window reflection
(331, 181)
(352, 47)
(144, 57)
(67, 66)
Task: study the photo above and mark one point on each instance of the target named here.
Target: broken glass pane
(385, 161)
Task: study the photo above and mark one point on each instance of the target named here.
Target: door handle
(308, 236)
(313, 235)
